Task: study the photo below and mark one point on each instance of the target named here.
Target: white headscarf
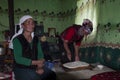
(22, 20)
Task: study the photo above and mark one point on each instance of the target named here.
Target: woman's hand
(41, 61)
(69, 56)
(77, 58)
(40, 71)
(40, 64)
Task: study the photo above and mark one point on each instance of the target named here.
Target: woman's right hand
(37, 62)
(40, 71)
(40, 63)
(69, 56)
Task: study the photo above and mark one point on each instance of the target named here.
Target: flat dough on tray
(75, 64)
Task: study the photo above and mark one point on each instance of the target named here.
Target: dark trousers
(64, 58)
(30, 74)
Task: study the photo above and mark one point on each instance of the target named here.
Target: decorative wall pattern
(55, 14)
(106, 56)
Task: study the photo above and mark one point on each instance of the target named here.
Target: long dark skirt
(64, 58)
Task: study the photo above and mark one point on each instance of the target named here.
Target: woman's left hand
(40, 63)
(77, 58)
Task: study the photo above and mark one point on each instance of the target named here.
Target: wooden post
(11, 16)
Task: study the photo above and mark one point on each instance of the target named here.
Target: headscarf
(88, 26)
(22, 20)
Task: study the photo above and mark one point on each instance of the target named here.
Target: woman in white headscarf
(28, 55)
(22, 20)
